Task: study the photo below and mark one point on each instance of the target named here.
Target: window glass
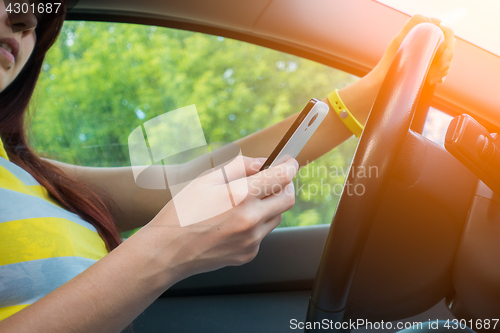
(102, 80)
(436, 125)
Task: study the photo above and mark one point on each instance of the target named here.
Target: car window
(102, 80)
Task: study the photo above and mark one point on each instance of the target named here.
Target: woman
(53, 211)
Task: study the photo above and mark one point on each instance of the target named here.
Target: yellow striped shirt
(42, 245)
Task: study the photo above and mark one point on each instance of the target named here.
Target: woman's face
(15, 47)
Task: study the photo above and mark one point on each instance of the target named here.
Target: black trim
(298, 50)
(274, 269)
(242, 289)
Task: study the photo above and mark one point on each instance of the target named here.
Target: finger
(449, 38)
(436, 21)
(413, 21)
(446, 57)
(241, 167)
(444, 73)
(253, 165)
(270, 225)
(273, 179)
(445, 60)
(436, 76)
(278, 203)
(417, 18)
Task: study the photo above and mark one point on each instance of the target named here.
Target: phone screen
(289, 133)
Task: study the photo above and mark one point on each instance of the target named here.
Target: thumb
(242, 166)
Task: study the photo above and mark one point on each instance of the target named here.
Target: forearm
(107, 296)
(130, 205)
(133, 206)
(111, 293)
(358, 97)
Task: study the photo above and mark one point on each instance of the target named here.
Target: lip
(14, 45)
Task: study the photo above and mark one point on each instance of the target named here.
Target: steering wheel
(381, 143)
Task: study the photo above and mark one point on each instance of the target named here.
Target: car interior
(421, 243)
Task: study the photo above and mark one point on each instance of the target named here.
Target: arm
(130, 205)
(358, 96)
(103, 298)
(111, 293)
(135, 206)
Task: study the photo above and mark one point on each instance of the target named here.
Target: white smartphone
(299, 133)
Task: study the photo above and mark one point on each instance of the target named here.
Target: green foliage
(102, 80)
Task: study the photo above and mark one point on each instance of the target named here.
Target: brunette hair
(75, 196)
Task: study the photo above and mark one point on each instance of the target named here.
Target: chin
(4, 81)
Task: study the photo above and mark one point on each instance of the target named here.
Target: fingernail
(297, 163)
(442, 80)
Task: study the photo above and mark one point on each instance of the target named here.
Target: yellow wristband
(347, 118)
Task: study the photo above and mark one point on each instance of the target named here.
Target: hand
(442, 62)
(232, 237)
